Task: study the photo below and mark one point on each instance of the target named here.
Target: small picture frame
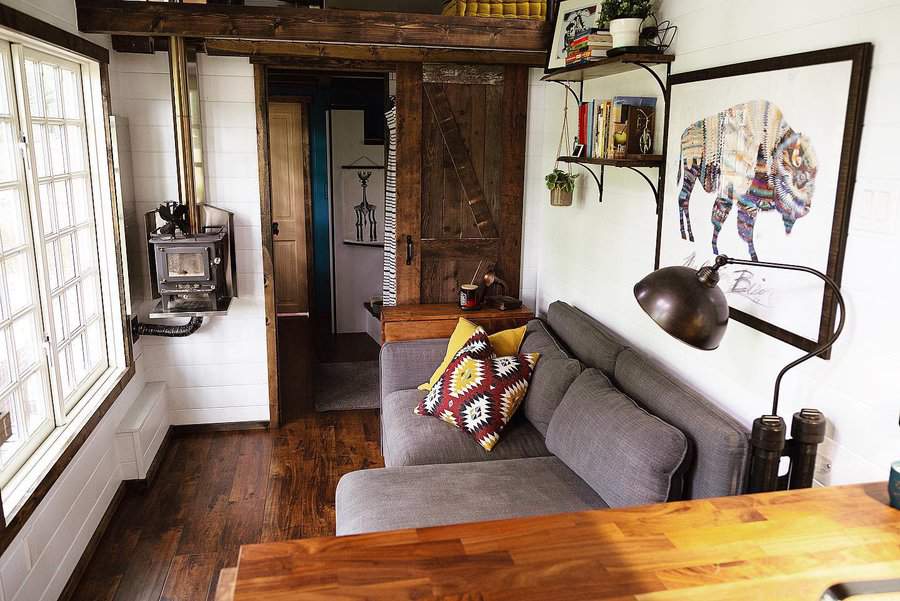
(577, 150)
(573, 19)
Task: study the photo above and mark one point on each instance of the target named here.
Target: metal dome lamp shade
(689, 305)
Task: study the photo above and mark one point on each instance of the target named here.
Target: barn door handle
(409, 250)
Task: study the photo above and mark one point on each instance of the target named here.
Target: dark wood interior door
(460, 177)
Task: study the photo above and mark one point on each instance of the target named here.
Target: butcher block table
(416, 322)
(772, 546)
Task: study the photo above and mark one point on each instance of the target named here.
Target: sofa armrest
(405, 365)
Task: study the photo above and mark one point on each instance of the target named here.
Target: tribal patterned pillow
(479, 392)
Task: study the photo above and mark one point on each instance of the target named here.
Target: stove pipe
(184, 80)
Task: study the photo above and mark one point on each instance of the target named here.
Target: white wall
(358, 270)
(219, 373)
(591, 255)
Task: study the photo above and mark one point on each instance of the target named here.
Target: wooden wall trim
(262, 49)
(260, 84)
(512, 173)
(24, 23)
(409, 181)
(311, 25)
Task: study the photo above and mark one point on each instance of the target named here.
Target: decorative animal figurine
(749, 155)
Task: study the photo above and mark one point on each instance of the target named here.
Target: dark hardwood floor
(217, 491)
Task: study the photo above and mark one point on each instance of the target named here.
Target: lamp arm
(724, 260)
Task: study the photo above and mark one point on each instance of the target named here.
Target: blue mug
(894, 485)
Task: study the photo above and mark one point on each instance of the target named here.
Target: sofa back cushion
(627, 455)
(719, 443)
(552, 376)
(589, 340)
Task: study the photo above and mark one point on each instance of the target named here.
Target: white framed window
(60, 308)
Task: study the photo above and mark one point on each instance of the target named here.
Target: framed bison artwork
(760, 165)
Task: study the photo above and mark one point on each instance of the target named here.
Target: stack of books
(588, 47)
(618, 128)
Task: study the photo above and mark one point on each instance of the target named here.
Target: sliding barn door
(460, 172)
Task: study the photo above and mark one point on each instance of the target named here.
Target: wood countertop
(783, 545)
(415, 322)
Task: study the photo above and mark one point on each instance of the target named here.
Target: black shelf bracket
(571, 91)
(599, 180)
(655, 75)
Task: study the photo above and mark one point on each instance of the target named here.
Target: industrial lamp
(689, 305)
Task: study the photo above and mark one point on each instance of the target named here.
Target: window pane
(6, 368)
(57, 156)
(52, 249)
(51, 90)
(40, 150)
(65, 371)
(12, 232)
(18, 282)
(63, 210)
(35, 404)
(7, 153)
(87, 250)
(25, 341)
(78, 186)
(45, 192)
(67, 257)
(59, 322)
(96, 344)
(79, 358)
(34, 89)
(70, 94)
(8, 448)
(4, 92)
(70, 299)
(74, 138)
(90, 306)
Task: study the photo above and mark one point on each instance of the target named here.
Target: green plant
(562, 180)
(624, 9)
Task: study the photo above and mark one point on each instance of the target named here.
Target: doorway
(325, 140)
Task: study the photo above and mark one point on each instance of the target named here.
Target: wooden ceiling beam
(261, 50)
(309, 25)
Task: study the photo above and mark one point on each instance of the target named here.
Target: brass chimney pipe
(181, 113)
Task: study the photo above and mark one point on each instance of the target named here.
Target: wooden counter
(416, 322)
(773, 546)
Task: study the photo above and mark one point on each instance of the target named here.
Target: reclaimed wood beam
(270, 49)
(310, 25)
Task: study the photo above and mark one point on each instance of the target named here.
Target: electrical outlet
(875, 211)
(822, 473)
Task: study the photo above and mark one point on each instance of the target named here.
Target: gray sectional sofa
(601, 426)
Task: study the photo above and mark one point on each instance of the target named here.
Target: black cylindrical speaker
(807, 432)
(766, 446)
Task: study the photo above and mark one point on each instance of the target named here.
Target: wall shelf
(608, 66)
(597, 69)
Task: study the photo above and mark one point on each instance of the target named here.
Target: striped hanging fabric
(389, 291)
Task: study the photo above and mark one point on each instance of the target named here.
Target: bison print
(746, 155)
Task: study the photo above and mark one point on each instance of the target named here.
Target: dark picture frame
(860, 57)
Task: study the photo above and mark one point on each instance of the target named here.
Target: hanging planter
(561, 185)
(624, 18)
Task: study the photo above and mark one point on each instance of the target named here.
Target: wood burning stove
(191, 274)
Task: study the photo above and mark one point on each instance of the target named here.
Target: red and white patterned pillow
(480, 392)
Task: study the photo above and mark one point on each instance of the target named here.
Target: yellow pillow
(505, 343)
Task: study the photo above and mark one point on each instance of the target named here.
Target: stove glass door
(187, 264)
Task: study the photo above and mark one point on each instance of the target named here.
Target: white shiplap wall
(219, 373)
(39, 561)
(591, 255)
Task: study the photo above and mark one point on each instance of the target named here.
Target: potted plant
(625, 18)
(561, 185)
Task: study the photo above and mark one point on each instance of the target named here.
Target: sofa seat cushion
(627, 455)
(436, 495)
(408, 439)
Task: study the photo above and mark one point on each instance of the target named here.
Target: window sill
(35, 479)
